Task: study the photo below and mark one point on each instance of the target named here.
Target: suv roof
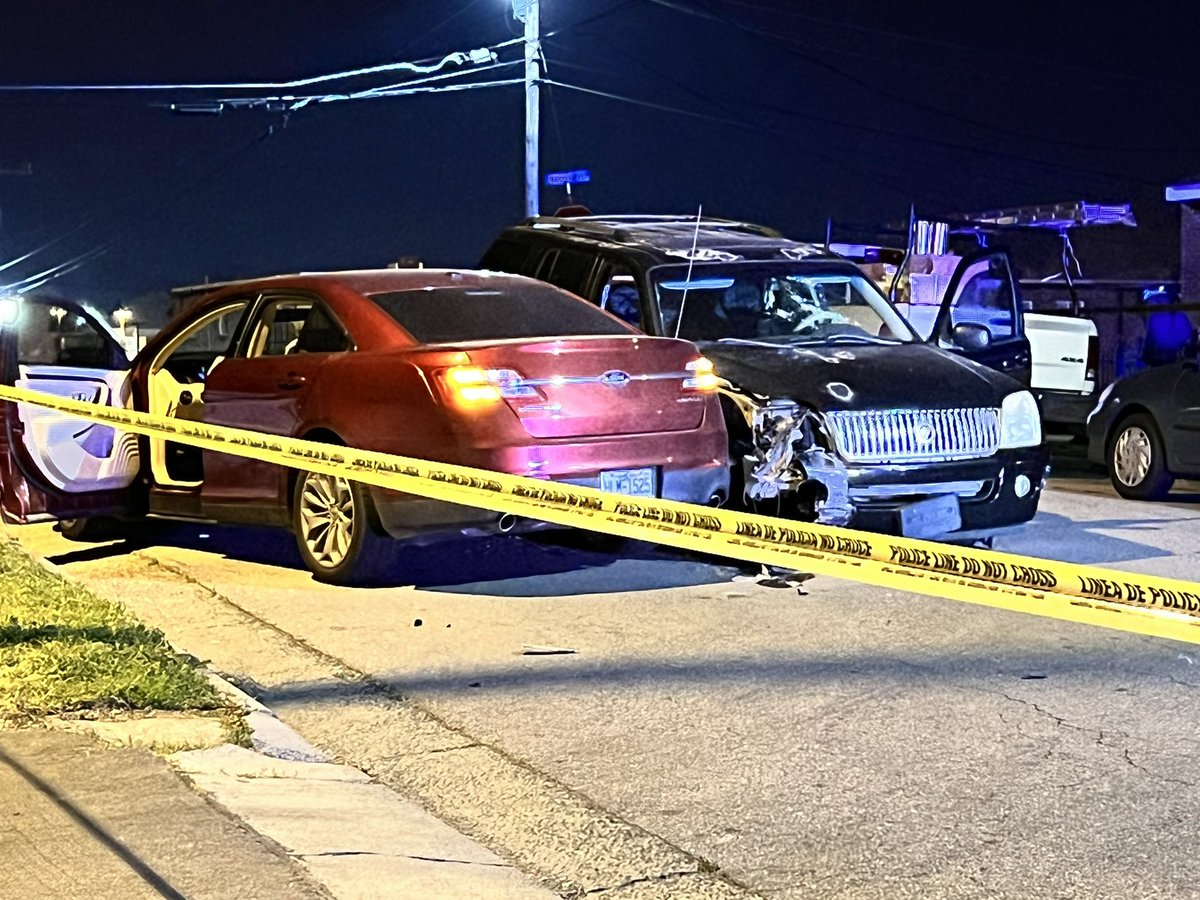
(675, 235)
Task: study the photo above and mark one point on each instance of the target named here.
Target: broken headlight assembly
(792, 463)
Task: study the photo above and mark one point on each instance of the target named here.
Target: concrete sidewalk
(78, 819)
(358, 838)
(87, 811)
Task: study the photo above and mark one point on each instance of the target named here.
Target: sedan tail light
(474, 386)
(701, 376)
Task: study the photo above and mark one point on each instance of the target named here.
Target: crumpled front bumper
(986, 490)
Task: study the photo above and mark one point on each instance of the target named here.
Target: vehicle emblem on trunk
(615, 378)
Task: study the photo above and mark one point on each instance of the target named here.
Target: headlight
(1020, 421)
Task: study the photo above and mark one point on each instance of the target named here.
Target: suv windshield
(775, 304)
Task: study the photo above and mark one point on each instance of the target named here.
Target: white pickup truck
(1066, 354)
(1057, 356)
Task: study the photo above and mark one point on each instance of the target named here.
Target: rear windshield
(438, 315)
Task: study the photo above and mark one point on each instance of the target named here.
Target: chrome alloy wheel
(1132, 456)
(327, 518)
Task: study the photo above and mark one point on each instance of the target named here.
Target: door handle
(292, 382)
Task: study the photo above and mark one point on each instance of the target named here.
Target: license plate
(632, 482)
(931, 518)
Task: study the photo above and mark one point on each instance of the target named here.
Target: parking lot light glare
(121, 316)
(10, 310)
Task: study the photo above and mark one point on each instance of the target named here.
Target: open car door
(981, 315)
(55, 466)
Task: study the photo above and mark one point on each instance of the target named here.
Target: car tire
(1137, 459)
(336, 531)
(88, 530)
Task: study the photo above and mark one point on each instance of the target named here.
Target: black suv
(837, 411)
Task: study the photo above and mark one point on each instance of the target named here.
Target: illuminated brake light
(469, 386)
(703, 378)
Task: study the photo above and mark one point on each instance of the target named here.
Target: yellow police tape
(1125, 601)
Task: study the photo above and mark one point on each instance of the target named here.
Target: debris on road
(779, 578)
(536, 650)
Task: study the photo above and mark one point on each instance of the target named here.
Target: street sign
(575, 176)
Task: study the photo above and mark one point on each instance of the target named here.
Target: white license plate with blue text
(631, 482)
(931, 518)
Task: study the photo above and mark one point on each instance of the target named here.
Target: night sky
(779, 112)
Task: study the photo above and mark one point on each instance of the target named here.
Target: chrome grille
(915, 435)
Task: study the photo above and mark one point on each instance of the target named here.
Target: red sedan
(492, 371)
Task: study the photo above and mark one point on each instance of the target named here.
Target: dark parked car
(1146, 429)
(484, 370)
(836, 410)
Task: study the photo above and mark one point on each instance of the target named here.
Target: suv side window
(506, 256)
(620, 296)
(567, 269)
(986, 298)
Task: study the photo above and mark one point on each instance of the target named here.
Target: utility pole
(529, 12)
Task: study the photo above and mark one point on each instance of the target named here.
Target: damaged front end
(792, 463)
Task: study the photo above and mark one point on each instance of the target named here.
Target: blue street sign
(575, 176)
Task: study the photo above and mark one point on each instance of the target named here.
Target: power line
(791, 9)
(883, 132)
(481, 56)
(36, 250)
(789, 47)
(886, 184)
(478, 56)
(400, 89)
(33, 282)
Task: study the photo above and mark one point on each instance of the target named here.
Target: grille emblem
(615, 378)
(923, 434)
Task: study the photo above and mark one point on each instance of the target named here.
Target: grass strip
(62, 648)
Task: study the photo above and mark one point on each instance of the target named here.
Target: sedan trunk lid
(574, 387)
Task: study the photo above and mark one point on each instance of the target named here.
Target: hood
(860, 376)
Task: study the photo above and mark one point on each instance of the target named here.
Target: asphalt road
(840, 741)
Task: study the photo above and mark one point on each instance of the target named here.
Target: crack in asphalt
(1166, 778)
(1101, 741)
(645, 879)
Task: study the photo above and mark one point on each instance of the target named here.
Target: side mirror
(971, 337)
